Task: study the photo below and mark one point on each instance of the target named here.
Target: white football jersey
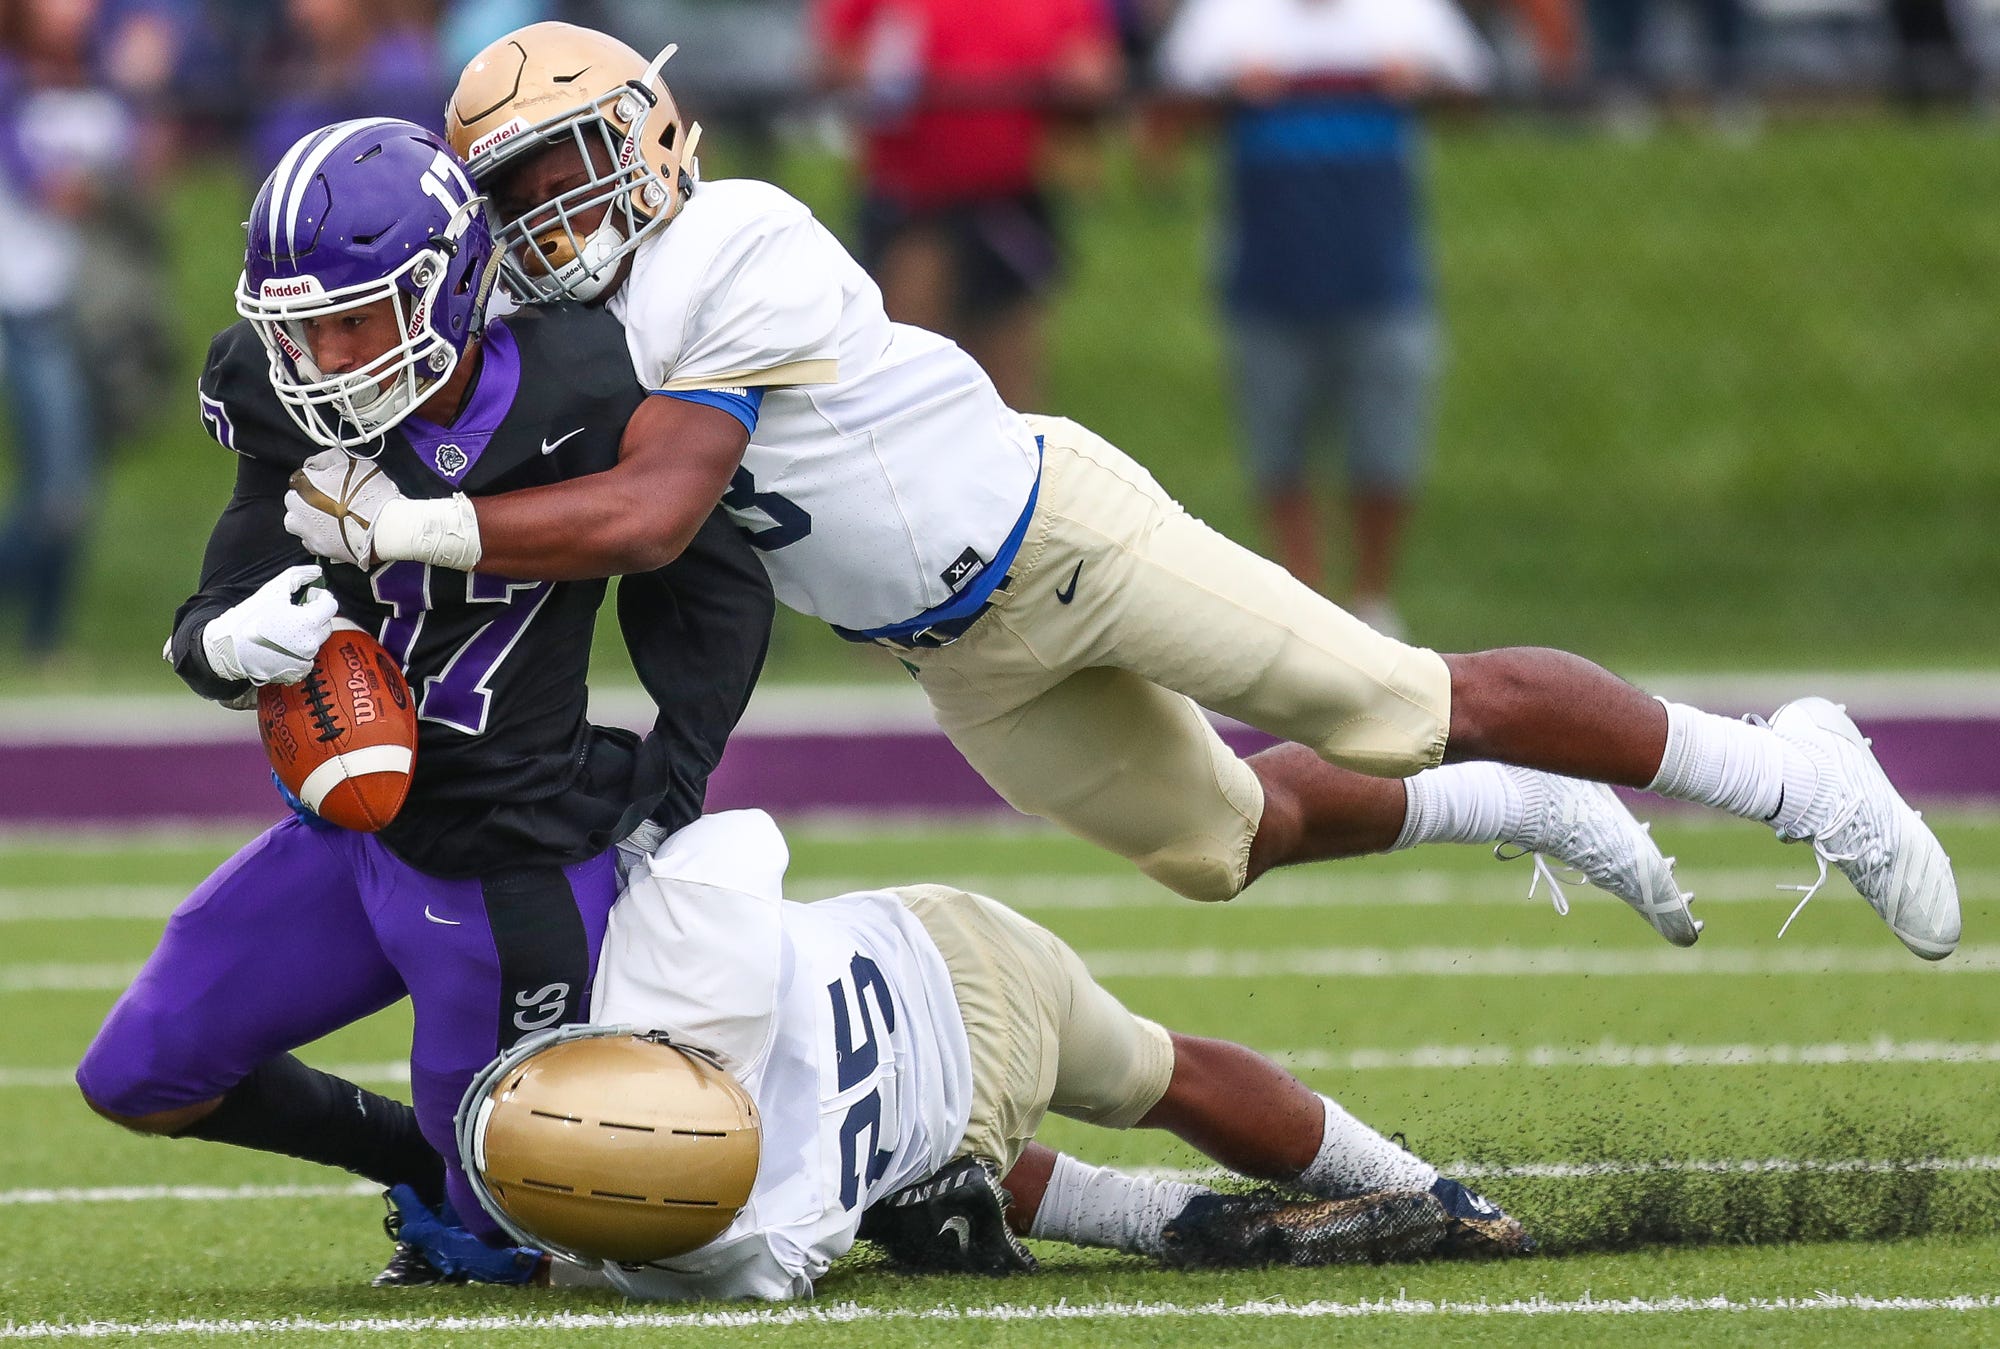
(839, 1019)
(884, 471)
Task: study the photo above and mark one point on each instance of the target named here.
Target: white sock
(1732, 765)
(1354, 1159)
(1089, 1205)
(1469, 803)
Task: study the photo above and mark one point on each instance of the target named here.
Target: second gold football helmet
(553, 84)
(603, 1143)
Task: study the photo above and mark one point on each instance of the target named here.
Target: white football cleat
(1870, 832)
(1583, 825)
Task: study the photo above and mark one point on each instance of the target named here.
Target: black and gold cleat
(1477, 1226)
(1236, 1231)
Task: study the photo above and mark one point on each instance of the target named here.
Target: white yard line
(1364, 962)
(1039, 891)
(1346, 962)
(87, 903)
(1611, 1054)
(1329, 888)
(1608, 1054)
(195, 1194)
(391, 1071)
(848, 1313)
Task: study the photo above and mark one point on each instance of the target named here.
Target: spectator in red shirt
(958, 100)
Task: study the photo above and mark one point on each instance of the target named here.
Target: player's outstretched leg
(1167, 599)
(1377, 1200)
(1808, 773)
(1314, 810)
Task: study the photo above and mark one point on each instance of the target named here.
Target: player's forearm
(578, 530)
(595, 526)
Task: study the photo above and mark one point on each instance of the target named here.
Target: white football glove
(348, 510)
(272, 637)
(334, 504)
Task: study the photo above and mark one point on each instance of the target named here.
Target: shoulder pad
(574, 347)
(238, 409)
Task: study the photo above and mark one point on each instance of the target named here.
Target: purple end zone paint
(1935, 759)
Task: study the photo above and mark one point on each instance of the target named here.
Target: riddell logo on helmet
(495, 137)
(290, 288)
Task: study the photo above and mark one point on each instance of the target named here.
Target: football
(344, 738)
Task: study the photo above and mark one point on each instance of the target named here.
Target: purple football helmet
(354, 213)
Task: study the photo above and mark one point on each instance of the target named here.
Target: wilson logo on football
(362, 683)
(344, 738)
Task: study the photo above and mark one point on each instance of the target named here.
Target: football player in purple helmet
(484, 900)
(365, 293)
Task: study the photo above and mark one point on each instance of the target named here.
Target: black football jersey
(508, 771)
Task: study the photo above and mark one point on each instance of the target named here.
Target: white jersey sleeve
(883, 476)
(760, 305)
(837, 1017)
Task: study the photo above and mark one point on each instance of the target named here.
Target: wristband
(219, 649)
(442, 532)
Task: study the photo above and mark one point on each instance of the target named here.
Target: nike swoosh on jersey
(549, 446)
(1068, 592)
(448, 922)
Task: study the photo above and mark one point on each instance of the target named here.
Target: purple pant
(306, 930)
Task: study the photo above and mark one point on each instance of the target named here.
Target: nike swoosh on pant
(448, 922)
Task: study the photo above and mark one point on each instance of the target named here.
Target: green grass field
(1589, 1076)
(1708, 405)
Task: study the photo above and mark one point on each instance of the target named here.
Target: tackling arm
(675, 460)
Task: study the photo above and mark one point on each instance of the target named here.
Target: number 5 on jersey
(857, 1058)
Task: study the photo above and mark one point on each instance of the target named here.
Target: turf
(1708, 405)
(1536, 1085)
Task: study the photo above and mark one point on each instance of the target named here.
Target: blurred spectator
(1326, 278)
(337, 59)
(1934, 61)
(743, 67)
(66, 146)
(1620, 33)
(1554, 32)
(959, 99)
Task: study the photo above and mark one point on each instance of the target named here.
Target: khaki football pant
(1075, 695)
(1044, 1035)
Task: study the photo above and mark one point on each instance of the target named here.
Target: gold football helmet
(603, 1143)
(557, 84)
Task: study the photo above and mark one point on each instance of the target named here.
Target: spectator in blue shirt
(1326, 280)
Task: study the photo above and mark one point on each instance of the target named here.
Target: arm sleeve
(248, 547)
(697, 630)
(765, 311)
